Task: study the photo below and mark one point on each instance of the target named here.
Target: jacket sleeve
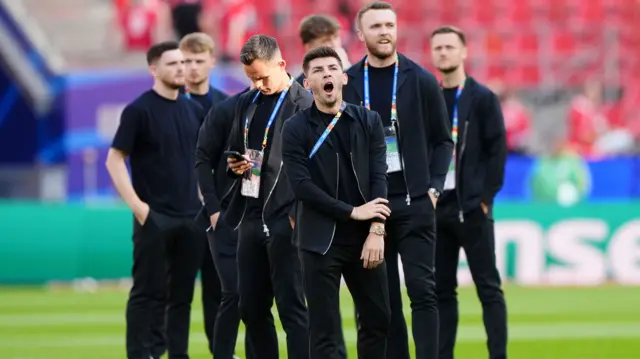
(209, 149)
(494, 145)
(235, 134)
(377, 160)
(438, 130)
(296, 167)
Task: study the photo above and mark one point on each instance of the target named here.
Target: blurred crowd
(594, 126)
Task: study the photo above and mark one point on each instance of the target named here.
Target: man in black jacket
(334, 158)
(466, 206)
(419, 150)
(262, 202)
(215, 185)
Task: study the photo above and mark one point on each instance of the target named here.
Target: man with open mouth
(340, 186)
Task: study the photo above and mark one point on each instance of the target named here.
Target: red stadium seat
(563, 42)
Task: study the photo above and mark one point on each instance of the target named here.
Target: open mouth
(328, 87)
(384, 42)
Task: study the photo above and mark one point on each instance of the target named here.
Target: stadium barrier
(589, 244)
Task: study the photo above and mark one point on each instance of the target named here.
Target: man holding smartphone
(268, 265)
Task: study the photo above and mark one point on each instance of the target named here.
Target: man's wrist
(377, 228)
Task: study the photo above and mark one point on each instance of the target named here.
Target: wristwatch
(378, 230)
(434, 192)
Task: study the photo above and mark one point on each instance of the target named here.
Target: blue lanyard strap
(367, 97)
(327, 131)
(283, 94)
(454, 117)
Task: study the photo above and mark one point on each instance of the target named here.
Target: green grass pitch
(545, 323)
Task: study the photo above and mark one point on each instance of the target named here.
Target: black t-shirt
(450, 99)
(350, 232)
(206, 100)
(381, 90)
(160, 135)
(256, 134)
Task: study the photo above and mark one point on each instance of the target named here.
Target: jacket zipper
(355, 174)
(404, 174)
(335, 223)
(265, 229)
(463, 145)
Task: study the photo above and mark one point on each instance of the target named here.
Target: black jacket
(300, 79)
(211, 165)
(315, 182)
(278, 196)
(481, 150)
(424, 131)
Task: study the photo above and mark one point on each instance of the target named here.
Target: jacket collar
(356, 73)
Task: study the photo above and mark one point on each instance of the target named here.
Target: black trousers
(268, 268)
(476, 237)
(411, 233)
(211, 291)
(225, 331)
(368, 287)
(164, 274)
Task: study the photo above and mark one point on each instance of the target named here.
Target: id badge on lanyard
(394, 162)
(393, 152)
(251, 180)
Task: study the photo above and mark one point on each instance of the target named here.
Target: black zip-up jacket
(481, 150)
(211, 165)
(278, 198)
(315, 181)
(424, 131)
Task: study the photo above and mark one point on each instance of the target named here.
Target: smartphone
(235, 154)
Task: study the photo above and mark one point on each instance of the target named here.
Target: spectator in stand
(590, 130)
(185, 15)
(517, 118)
(239, 22)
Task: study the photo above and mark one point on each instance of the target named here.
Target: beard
(382, 55)
(173, 85)
(448, 70)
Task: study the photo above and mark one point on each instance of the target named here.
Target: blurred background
(567, 220)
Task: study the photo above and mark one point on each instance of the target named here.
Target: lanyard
(367, 98)
(327, 131)
(454, 124)
(283, 94)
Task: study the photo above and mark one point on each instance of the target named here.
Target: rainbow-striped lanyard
(327, 131)
(283, 94)
(367, 98)
(454, 122)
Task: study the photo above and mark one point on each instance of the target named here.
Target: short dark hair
(314, 27)
(319, 53)
(448, 29)
(155, 51)
(259, 47)
(376, 5)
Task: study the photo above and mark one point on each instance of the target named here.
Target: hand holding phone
(237, 162)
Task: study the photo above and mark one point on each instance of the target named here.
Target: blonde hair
(197, 42)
